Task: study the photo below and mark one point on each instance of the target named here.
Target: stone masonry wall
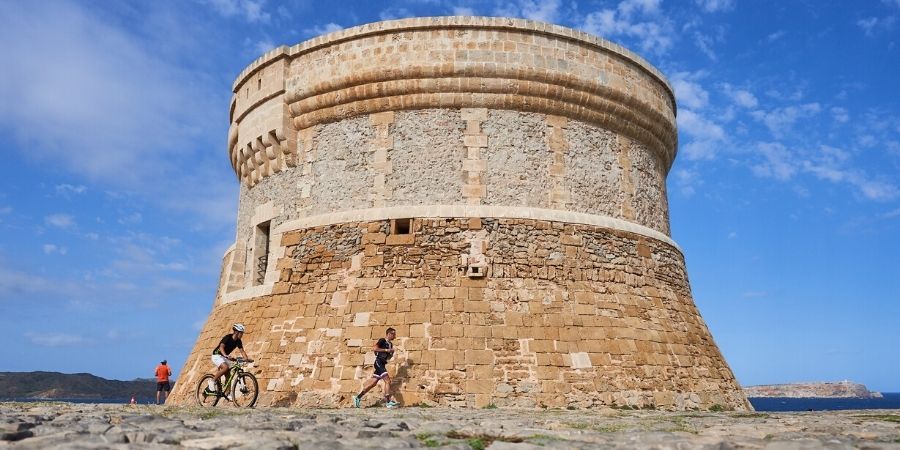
(568, 315)
(443, 63)
(429, 163)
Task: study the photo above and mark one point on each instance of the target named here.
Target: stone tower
(494, 189)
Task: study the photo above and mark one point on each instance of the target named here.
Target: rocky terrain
(841, 389)
(82, 426)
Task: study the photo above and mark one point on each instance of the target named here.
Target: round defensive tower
(494, 189)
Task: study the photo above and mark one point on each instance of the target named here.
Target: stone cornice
(478, 211)
(451, 22)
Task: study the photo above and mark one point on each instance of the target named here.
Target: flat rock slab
(86, 426)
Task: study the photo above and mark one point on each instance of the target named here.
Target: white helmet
(238, 327)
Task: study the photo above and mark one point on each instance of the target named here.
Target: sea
(891, 400)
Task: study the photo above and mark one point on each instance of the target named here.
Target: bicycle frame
(236, 369)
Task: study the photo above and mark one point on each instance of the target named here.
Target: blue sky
(117, 200)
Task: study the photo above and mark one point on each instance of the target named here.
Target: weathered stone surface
(568, 315)
(153, 427)
(494, 189)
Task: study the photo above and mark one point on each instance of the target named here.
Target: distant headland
(840, 389)
(76, 386)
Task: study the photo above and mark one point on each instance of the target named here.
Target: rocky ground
(63, 425)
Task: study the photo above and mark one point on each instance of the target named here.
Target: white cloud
(6, 210)
(777, 162)
(875, 25)
(687, 92)
(263, 46)
(654, 34)
(463, 11)
(687, 181)
(891, 214)
(706, 136)
(832, 164)
(740, 97)
(772, 37)
(394, 13)
(542, 11)
(732, 235)
(55, 339)
(715, 5)
(780, 120)
(131, 219)
(124, 114)
(50, 249)
(319, 30)
(68, 189)
(61, 221)
(839, 114)
(250, 10)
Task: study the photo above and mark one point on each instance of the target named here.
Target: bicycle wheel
(245, 390)
(204, 397)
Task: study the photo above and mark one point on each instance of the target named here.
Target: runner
(384, 351)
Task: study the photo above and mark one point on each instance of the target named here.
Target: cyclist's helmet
(238, 327)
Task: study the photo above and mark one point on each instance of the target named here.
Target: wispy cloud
(55, 339)
(61, 221)
(740, 97)
(250, 10)
(321, 29)
(68, 190)
(705, 135)
(711, 6)
(688, 91)
(777, 162)
(780, 120)
(635, 19)
(873, 26)
(540, 10)
(121, 115)
(50, 249)
(839, 114)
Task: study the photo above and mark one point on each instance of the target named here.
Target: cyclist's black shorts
(380, 369)
(163, 386)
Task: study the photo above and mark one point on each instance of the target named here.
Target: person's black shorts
(163, 386)
(380, 369)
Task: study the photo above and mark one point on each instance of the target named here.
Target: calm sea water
(890, 401)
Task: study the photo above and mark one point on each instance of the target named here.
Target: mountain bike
(241, 388)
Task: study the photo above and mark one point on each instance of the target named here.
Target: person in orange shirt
(163, 372)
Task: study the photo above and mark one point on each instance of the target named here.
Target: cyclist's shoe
(356, 401)
(211, 386)
(391, 404)
(207, 391)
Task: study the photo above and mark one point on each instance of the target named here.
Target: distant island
(840, 389)
(75, 386)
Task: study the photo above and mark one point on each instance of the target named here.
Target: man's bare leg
(368, 386)
(387, 388)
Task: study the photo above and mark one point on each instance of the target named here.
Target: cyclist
(227, 345)
(384, 350)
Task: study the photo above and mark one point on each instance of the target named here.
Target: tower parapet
(492, 188)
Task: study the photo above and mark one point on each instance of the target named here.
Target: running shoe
(391, 404)
(356, 401)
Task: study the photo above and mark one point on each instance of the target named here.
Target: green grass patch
(895, 418)
(481, 441)
(428, 440)
(490, 406)
(719, 408)
(751, 416)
